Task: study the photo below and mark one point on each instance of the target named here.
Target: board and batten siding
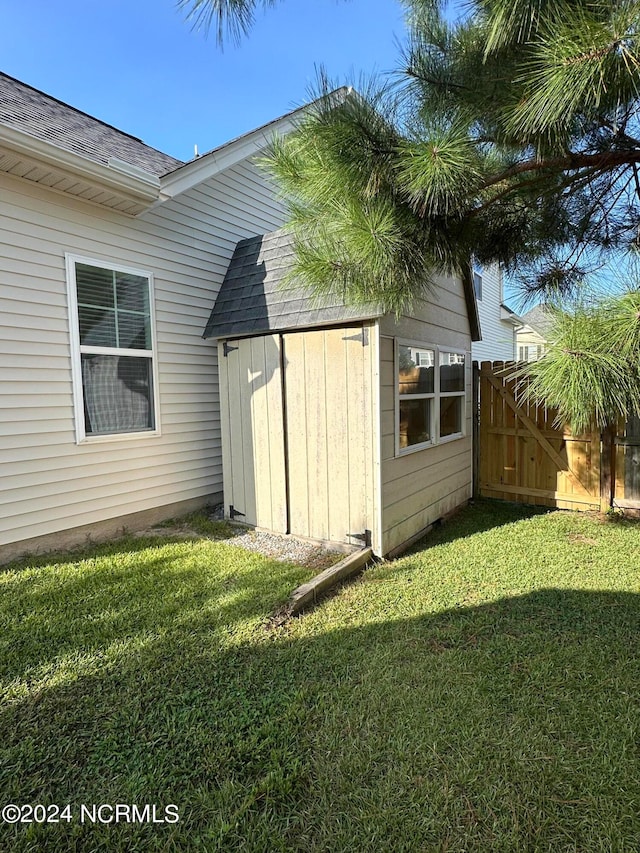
(48, 483)
(420, 487)
(498, 335)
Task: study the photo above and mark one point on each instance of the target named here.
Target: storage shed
(339, 423)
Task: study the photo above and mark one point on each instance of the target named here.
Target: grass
(480, 694)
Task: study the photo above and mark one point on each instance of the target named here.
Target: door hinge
(234, 513)
(363, 336)
(226, 349)
(365, 537)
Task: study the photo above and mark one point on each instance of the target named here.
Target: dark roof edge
(354, 322)
(471, 302)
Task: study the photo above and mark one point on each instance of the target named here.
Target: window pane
(477, 285)
(415, 422)
(117, 394)
(451, 372)
(133, 292)
(416, 369)
(94, 286)
(97, 326)
(134, 331)
(450, 416)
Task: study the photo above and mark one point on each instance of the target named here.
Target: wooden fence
(523, 456)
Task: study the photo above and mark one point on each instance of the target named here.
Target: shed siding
(498, 336)
(48, 482)
(418, 488)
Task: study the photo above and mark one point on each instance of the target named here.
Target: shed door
(327, 385)
(297, 449)
(252, 431)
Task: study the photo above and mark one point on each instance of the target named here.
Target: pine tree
(511, 135)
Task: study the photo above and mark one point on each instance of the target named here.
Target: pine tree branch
(570, 162)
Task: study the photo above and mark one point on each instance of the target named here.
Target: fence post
(607, 467)
(475, 385)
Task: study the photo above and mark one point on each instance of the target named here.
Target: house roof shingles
(539, 319)
(31, 111)
(253, 300)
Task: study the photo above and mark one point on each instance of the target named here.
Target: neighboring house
(498, 323)
(111, 257)
(532, 334)
(340, 423)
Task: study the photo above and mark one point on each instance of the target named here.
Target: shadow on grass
(511, 726)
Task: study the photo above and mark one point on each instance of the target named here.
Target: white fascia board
(508, 315)
(207, 165)
(190, 175)
(138, 187)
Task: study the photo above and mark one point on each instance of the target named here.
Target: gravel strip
(286, 548)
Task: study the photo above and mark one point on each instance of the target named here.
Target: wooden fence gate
(523, 457)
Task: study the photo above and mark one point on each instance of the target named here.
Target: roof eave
(471, 302)
(132, 185)
(510, 316)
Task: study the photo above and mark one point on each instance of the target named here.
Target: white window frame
(77, 349)
(436, 396)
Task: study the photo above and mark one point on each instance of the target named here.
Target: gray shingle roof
(255, 297)
(31, 111)
(539, 318)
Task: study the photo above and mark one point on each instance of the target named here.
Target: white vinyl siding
(50, 483)
(498, 335)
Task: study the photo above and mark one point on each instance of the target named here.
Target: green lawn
(481, 694)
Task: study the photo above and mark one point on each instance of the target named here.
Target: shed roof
(252, 299)
(31, 111)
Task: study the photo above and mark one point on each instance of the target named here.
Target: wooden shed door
(252, 432)
(329, 433)
(297, 448)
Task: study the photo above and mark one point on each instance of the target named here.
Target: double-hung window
(112, 337)
(430, 395)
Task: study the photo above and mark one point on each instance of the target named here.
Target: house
(111, 257)
(498, 322)
(111, 254)
(532, 335)
(341, 423)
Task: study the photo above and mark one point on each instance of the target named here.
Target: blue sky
(138, 65)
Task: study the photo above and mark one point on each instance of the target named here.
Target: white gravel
(286, 548)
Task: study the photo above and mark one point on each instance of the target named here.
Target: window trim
(436, 396)
(77, 350)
